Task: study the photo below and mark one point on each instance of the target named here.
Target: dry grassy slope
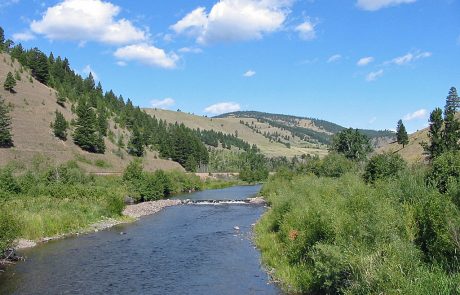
(230, 125)
(33, 110)
(413, 152)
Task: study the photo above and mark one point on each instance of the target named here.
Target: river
(187, 249)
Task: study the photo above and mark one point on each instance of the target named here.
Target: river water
(188, 249)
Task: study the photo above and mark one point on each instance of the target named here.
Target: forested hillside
(60, 114)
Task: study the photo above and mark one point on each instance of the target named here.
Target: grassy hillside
(413, 152)
(274, 134)
(32, 110)
(253, 134)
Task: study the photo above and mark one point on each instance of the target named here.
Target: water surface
(190, 249)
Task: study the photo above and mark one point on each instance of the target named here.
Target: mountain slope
(33, 106)
(274, 134)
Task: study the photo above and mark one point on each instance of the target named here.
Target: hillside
(33, 106)
(413, 152)
(249, 131)
(274, 134)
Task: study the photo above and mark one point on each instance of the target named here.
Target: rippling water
(191, 249)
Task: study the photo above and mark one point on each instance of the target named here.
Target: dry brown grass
(33, 107)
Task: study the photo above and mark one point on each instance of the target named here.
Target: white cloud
(87, 69)
(249, 74)
(147, 54)
(419, 114)
(306, 30)
(24, 36)
(334, 58)
(373, 5)
(409, 57)
(234, 20)
(365, 61)
(87, 20)
(190, 50)
(372, 76)
(121, 63)
(163, 103)
(223, 107)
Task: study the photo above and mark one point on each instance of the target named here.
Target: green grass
(340, 235)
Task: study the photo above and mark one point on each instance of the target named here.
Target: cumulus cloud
(162, 103)
(249, 74)
(24, 36)
(306, 30)
(419, 114)
(234, 20)
(148, 55)
(223, 107)
(87, 70)
(373, 5)
(334, 58)
(372, 76)
(87, 20)
(365, 61)
(409, 57)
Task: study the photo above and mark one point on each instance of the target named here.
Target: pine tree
(451, 133)
(2, 37)
(60, 126)
(6, 138)
(102, 123)
(135, 145)
(452, 101)
(401, 134)
(10, 82)
(436, 145)
(86, 135)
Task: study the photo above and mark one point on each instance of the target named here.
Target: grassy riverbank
(47, 201)
(341, 235)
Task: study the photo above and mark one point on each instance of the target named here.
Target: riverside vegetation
(45, 200)
(348, 225)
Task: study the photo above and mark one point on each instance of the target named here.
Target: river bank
(130, 214)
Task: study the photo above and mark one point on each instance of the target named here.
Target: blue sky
(359, 63)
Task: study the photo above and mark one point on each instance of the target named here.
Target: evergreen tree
(38, 63)
(61, 99)
(86, 135)
(2, 38)
(135, 145)
(451, 133)
(102, 123)
(10, 82)
(6, 138)
(60, 126)
(401, 134)
(436, 145)
(452, 101)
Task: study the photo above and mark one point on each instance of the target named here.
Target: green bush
(327, 235)
(445, 170)
(335, 165)
(383, 166)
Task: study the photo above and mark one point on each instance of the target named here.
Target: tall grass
(341, 235)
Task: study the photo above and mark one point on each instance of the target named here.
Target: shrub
(445, 170)
(383, 166)
(8, 182)
(335, 165)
